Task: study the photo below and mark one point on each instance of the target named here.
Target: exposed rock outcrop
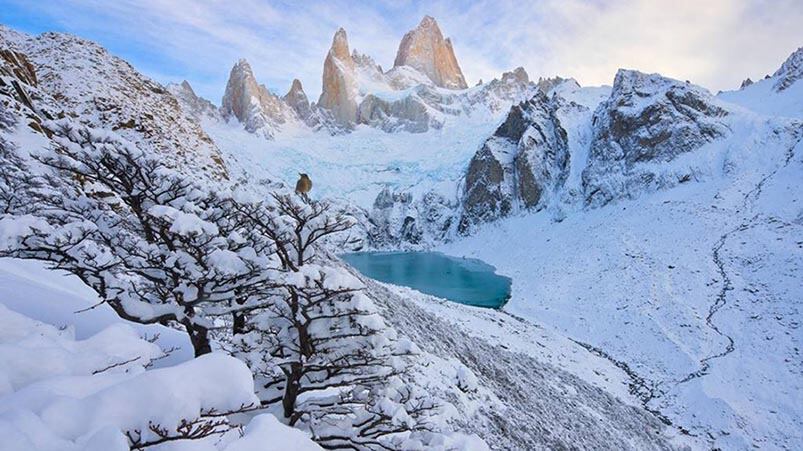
(81, 79)
(339, 90)
(258, 109)
(425, 49)
(399, 218)
(647, 121)
(547, 84)
(192, 104)
(297, 99)
(18, 66)
(499, 94)
(525, 158)
(745, 83)
(789, 72)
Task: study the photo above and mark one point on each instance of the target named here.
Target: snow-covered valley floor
(696, 289)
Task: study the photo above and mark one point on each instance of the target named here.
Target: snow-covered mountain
(651, 228)
(778, 94)
(78, 78)
(425, 50)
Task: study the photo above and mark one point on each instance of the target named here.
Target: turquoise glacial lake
(464, 280)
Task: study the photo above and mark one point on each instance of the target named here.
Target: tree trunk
(199, 337)
(238, 320)
(291, 392)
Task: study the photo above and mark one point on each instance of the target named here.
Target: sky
(714, 43)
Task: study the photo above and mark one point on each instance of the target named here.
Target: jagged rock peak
(518, 75)
(339, 87)
(747, 82)
(191, 103)
(252, 104)
(790, 71)
(425, 49)
(340, 45)
(297, 99)
(295, 87)
(240, 89)
(363, 60)
(547, 84)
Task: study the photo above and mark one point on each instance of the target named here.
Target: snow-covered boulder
(59, 393)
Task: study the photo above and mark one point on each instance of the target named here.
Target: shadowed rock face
(485, 198)
(425, 49)
(648, 119)
(398, 219)
(526, 157)
(339, 85)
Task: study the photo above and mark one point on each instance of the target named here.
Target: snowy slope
(679, 294)
(532, 389)
(78, 78)
(696, 289)
(780, 94)
(80, 381)
(355, 166)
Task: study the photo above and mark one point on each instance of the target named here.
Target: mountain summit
(425, 49)
(252, 103)
(339, 85)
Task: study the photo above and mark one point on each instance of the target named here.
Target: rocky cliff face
(400, 219)
(253, 104)
(355, 90)
(425, 107)
(425, 50)
(298, 101)
(339, 90)
(789, 72)
(525, 159)
(647, 121)
(192, 104)
(79, 78)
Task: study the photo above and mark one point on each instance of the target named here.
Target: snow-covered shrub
(161, 248)
(320, 351)
(156, 246)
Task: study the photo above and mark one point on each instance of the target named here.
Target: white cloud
(715, 43)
